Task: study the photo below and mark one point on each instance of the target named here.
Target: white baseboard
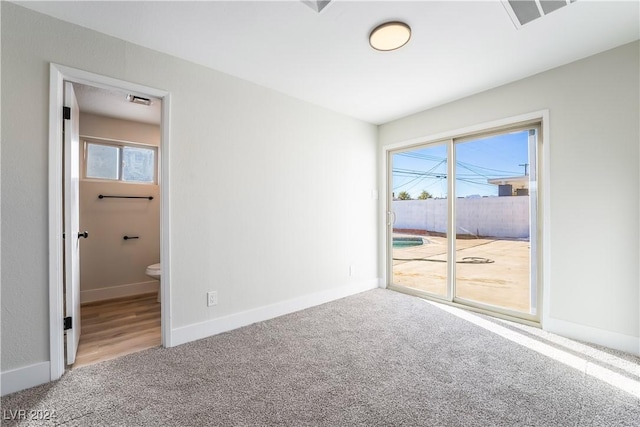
(91, 295)
(615, 340)
(25, 377)
(201, 330)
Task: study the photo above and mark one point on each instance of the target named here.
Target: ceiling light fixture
(138, 100)
(390, 36)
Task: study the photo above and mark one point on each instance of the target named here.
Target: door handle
(85, 235)
(391, 218)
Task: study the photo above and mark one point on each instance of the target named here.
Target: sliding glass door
(420, 250)
(463, 220)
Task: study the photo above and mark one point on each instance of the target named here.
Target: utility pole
(526, 165)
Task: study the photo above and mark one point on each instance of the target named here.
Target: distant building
(512, 186)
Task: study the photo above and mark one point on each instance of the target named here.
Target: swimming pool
(407, 242)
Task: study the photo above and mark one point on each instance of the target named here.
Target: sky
(476, 161)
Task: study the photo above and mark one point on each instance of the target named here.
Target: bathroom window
(120, 162)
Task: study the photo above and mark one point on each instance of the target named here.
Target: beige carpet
(379, 358)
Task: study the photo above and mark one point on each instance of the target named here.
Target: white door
(71, 221)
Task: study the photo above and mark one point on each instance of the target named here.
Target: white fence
(506, 217)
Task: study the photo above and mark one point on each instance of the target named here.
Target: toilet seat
(153, 270)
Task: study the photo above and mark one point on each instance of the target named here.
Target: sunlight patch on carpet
(582, 364)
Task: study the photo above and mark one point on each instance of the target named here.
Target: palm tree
(403, 195)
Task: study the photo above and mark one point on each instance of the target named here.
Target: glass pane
(493, 253)
(102, 161)
(420, 219)
(138, 164)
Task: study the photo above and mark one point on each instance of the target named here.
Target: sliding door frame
(539, 259)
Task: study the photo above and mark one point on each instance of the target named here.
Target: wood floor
(117, 327)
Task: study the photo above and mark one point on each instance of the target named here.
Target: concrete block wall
(505, 217)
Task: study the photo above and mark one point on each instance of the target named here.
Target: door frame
(57, 75)
(544, 259)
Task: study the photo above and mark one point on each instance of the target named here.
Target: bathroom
(119, 207)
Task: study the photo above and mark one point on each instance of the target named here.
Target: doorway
(463, 220)
(65, 312)
(119, 212)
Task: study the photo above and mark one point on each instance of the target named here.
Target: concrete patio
(503, 283)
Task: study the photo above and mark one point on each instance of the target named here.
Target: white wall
(270, 196)
(506, 217)
(594, 173)
(111, 267)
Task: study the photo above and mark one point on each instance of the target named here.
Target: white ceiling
(457, 48)
(113, 103)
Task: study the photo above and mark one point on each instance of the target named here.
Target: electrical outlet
(212, 298)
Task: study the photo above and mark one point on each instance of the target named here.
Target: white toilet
(153, 271)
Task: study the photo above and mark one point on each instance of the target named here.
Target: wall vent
(522, 12)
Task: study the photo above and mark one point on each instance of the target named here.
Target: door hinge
(66, 113)
(67, 323)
